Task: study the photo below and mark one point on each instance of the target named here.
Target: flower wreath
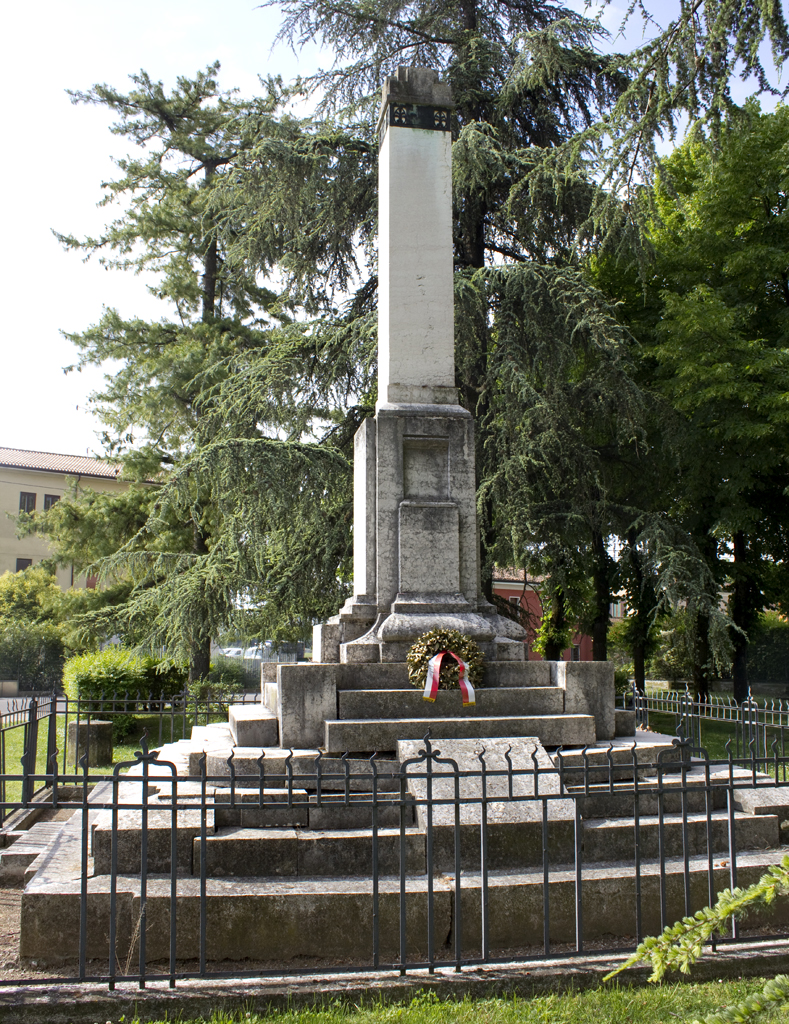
(433, 642)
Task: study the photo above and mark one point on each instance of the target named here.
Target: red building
(511, 585)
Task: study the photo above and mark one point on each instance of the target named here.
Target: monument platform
(289, 886)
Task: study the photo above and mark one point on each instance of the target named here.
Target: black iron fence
(33, 730)
(758, 726)
(430, 863)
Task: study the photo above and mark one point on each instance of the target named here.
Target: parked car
(230, 652)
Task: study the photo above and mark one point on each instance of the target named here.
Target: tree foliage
(681, 944)
(251, 399)
(712, 324)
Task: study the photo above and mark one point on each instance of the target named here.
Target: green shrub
(117, 673)
(768, 649)
(623, 676)
(33, 653)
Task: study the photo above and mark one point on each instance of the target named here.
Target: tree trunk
(700, 684)
(639, 674)
(742, 614)
(602, 589)
(200, 660)
(200, 654)
(553, 651)
(210, 261)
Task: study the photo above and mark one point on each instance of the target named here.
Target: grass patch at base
(612, 1004)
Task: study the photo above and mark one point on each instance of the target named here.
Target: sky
(58, 154)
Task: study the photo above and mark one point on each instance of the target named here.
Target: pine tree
(158, 398)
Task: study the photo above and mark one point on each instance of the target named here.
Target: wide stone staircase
(284, 844)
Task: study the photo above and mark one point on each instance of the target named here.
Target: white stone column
(416, 348)
(415, 529)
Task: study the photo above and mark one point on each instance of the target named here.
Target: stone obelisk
(415, 528)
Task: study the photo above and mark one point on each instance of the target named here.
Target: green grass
(123, 750)
(609, 1005)
(714, 734)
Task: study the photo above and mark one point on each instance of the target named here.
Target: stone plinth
(588, 690)
(95, 737)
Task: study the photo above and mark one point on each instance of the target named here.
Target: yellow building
(33, 481)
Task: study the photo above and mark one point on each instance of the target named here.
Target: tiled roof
(73, 465)
(508, 575)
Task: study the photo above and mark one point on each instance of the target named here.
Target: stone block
(505, 649)
(253, 725)
(518, 673)
(290, 918)
(368, 735)
(253, 853)
(348, 853)
(337, 814)
(50, 923)
(362, 651)
(410, 703)
(269, 692)
(389, 676)
(160, 832)
(364, 509)
(250, 853)
(607, 840)
(306, 697)
(241, 808)
(93, 737)
(589, 690)
(326, 638)
(624, 722)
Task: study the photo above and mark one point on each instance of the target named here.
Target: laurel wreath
(429, 644)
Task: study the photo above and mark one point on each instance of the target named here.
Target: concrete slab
(552, 730)
(253, 725)
(409, 703)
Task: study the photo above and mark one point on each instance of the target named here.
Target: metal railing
(758, 726)
(33, 729)
(442, 845)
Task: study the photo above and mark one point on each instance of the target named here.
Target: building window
(575, 652)
(515, 600)
(50, 500)
(27, 501)
(23, 563)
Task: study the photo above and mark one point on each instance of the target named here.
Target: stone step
(499, 702)
(253, 725)
(332, 919)
(600, 800)
(159, 840)
(303, 769)
(614, 839)
(383, 734)
(255, 853)
(15, 858)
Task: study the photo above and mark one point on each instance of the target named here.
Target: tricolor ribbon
(434, 672)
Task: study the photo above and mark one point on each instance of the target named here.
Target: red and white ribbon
(434, 672)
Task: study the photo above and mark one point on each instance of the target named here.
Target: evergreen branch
(681, 944)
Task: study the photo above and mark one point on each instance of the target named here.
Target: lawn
(160, 730)
(609, 1005)
(714, 735)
